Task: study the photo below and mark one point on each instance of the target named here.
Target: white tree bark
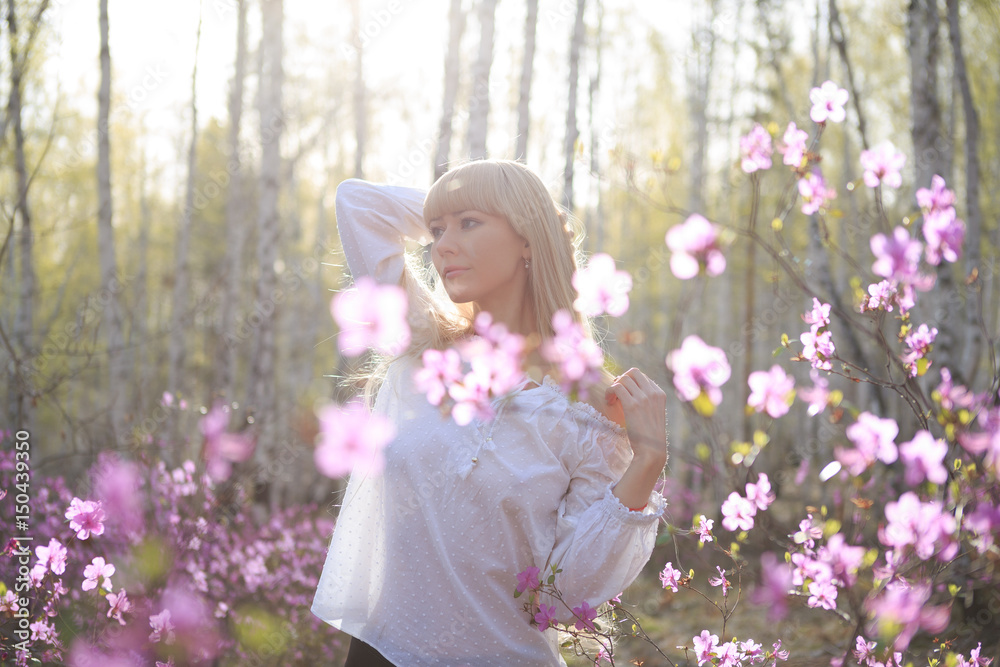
(572, 133)
(479, 103)
(452, 64)
(527, 69)
(182, 280)
(268, 227)
(236, 231)
(360, 117)
(118, 372)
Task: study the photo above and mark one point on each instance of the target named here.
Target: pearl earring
(526, 263)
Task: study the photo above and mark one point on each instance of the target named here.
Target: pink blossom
(162, 627)
(695, 247)
(771, 391)
(873, 439)
(927, 527)
(545, 617)
(86, 517)
(822, 594)
(472, 397)
(903, 608)
(756, 149)
(919, 344)
(819, 316)
(863, 650)
(807, 533)
(815, 193)
(727, 654)
(896, 257)
(955, 397)
(704, 529)
(937, 200)
(816, 396)
(96, 570)
(352, 439)
(601, 287)
(924, 457)
(8, 602)
(751, 650)
(843, 559)
(441, 369)
(372, 316)
(43, 631)
(670, 577)
(981, 527)
(699, 368)
(974, 659)
(585, 616)
(167, 399)
(818, 348)
(882, 296)
(704, 647)
(760, 493)
(721, 581)
(52, 557)
(776, 582)
(945, 235)
(779, 653)
(828, 103)
(794, 148)
(527, 579)
(119, 604)
(222, 448)
(578, 357)
(738, 513)
(882, 164)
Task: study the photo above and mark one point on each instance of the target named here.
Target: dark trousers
(360, 654)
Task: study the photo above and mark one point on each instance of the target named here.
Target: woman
(424, 559)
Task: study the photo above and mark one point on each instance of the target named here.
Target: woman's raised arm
(374, 222)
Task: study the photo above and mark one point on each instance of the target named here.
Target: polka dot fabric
(424, 559)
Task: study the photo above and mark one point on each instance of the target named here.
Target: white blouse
(424, 558)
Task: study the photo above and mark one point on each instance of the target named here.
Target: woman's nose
(445, 243)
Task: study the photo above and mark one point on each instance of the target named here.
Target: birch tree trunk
(930, 152)
(456, 22)
(527, 69)
(360, 119)
(594, 220)
(117, 370)
(699, 78)
(235, 220)
(182, 280)
(973, 214)
(569, 145)
(138, 332)
(268, 227)
(479, 104)
(22, 411)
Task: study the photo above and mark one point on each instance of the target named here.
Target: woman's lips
(455, 272)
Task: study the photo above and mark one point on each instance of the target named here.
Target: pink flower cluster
(695, 248)
(821, 572)
(670, 577)
(771, 392)
(578, 357)
(942, 229)
(756, 149)
(926, 528)
(371, 316)
(601, 287)
(918, 344)
(739, 512)
(817, 343)
(351, 440)
(794, 148)
(873, 439)
(903, 607)
(495, 358)
(86, 518)
(882, 165)
(699, 369)
(223, 448)
(734, 653)
(815, 192)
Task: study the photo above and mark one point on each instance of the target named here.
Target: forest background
(167, 174)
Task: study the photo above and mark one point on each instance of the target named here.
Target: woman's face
(479, 256)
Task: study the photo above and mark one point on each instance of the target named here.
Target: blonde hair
(499, 187)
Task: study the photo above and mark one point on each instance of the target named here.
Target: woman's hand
(645, 408)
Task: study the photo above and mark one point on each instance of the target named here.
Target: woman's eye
(468, 220)
(435, 232)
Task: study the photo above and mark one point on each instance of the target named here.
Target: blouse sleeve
(374, 222)
(601, 545)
